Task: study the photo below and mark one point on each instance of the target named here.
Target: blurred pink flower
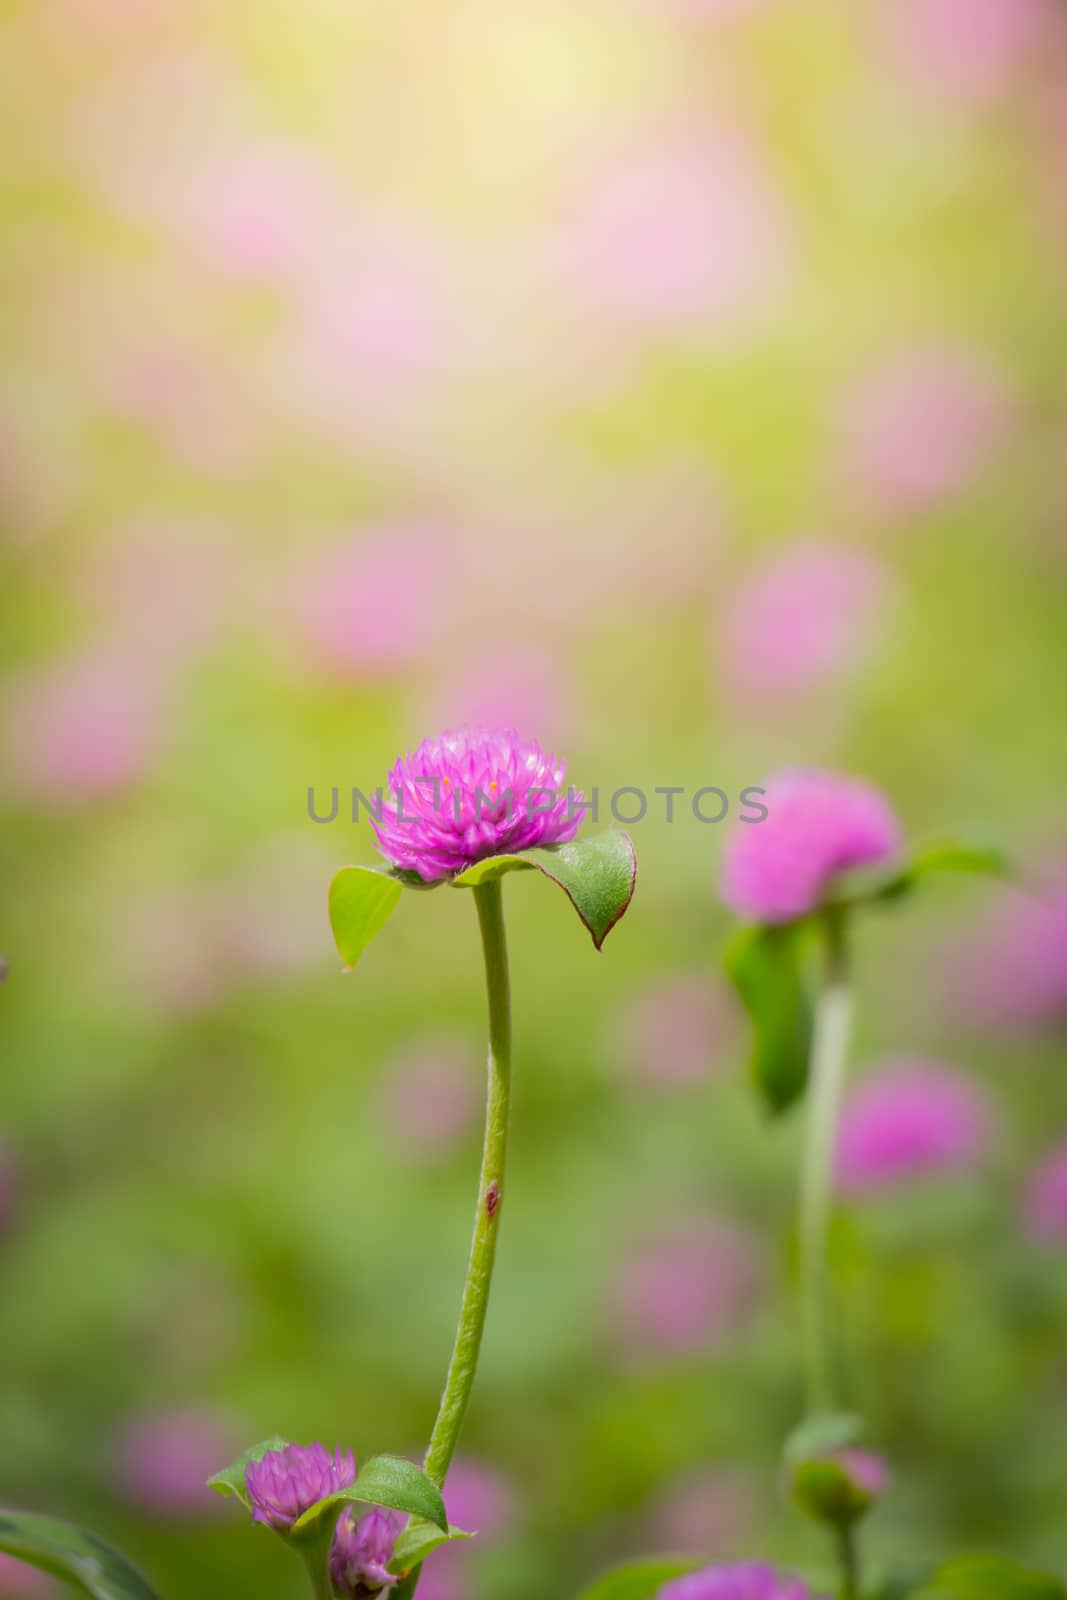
(82, 730)
(162, 1460)
(1010, 973)
(432, 1096)
(909, 1119)
(20, 1582)
(481, 1499)
(806, 617)
(920, 426)
(191, 401)
(692, 1287)
(819, 823)
(375, 604)
(965, 52)
(675, 1030)
(691, 234)
(502, 684)
(1045, 1200)
(708, 1513)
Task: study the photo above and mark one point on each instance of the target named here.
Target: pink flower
(673, 1031)
(911, 1119)
(20, 1582)
(1045, 1202)
(966, 52)
(819, 823)
(371, 606)
(682, 234)
(504, 684)
(162, 1462)
(747, 1580)
(432, 1096)
(806, 617)
(922, 425)
(1011, 972)
(689, 1288)
(81, 730)
(285, 1483)
(711, 1512)
(463, 796)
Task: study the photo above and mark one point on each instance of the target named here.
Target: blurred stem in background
(829, 1054)
(460, 1380)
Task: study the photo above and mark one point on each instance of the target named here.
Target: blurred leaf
(822, 1435)
(70, 1553)
(766, 966)
(389, 1481)
(420, 1539)
(598, 875)
(361, 902)
(993, 1577)
(231, 1480)
(639, 1580)
(946, 855)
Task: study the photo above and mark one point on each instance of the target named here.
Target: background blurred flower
(686, 1289)
(909, 1119)
(481, 1499)
(818, 824)
(806, 617)
(432, 1095)
(745, 1581)
(162, 1461)
(675, 1030)
(1045, 1202)
(922, 425)
(20, 1582)
(965, 51)
(705, 1513)
(1010, 972)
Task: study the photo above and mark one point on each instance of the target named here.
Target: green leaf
(361, 902)
(390, 1481)
(598, 875)
(766, 965)
(420, 1539)
(639, 1580)
(231, 1480)
(865, 887)
(823, 1434)
(993, 1577)
(70, 1553)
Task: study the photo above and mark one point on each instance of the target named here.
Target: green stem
(829, 1052)
(464, 1362)
(848, 1554)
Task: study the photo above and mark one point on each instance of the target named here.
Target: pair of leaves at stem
(597, 875)
(769, 964)
(391, 1482)
(70, 1553)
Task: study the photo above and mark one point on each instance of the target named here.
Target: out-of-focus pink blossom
(1045, 1200)
(911, 1119)
(1010, 973)
(481, 1499)
(921, 426)
(432, 1096)
(373, 605)
(20, 1582)
(503, 685)
(689, 234)
(82, 730)
(162, 1461)
(818, 824)
(965, 52)
(707, 1513)
(185, 398)
(808, 616)
(675, 1030)
(690, 1288)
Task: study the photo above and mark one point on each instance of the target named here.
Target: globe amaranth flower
(469, 794)
(746, 1580)
(818, 823)
(288, 1482)
(362, 1551)
(908, 1120)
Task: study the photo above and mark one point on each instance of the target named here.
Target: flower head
(162, 1458)
(288, 1482)
(469, 794)
(840, 1486)
(1045, 1202)
(746, 1580)
(362, 1551)
(911, 1119)
(818, 823)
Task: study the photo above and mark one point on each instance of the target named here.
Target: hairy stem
(464, 1362)
(829, 1053)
